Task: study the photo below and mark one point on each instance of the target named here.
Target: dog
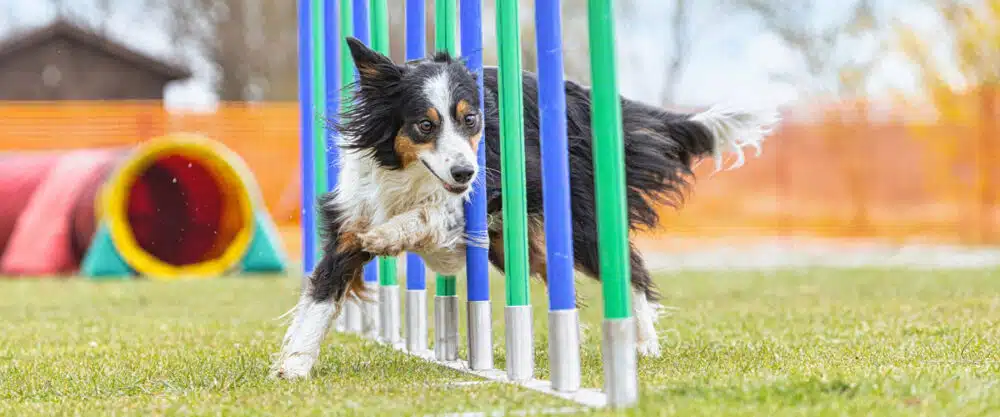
(410, 135)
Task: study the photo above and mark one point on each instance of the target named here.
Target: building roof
(63, 29)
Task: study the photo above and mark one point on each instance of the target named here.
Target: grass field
(817, 342)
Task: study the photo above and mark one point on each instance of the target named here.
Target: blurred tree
(104, 8)
(837, 57)
(250, 45)
(90, 14)
(959, 66)
(247, 48)
(681, 37)
(678, 34)
(963, 53)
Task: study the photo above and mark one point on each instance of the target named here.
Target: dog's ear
(371, 65)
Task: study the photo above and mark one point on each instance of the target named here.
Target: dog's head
(424, 112)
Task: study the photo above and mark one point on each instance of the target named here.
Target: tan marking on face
(475, 140)
(433, 115)
(407, 149)
(463, 108)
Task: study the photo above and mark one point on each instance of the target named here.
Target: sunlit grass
(817, 342)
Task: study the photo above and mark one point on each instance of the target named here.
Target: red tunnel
(180, 209)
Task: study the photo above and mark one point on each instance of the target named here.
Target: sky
(731, 58)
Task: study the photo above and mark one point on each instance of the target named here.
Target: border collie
(409, 140)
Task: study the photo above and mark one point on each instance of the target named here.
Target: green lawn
(817, 342)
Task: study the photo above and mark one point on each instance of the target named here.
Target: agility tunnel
(178, 206)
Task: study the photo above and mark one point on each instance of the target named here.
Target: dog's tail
(727, 131)
(661, 148)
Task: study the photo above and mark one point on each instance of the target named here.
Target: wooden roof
(63, 29)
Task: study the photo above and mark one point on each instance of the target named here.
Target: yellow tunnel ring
(226, 168)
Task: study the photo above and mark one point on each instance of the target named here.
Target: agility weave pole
(321, 37)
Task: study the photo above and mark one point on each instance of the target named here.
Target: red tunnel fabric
(175, 208)
(20, 175)
(40, 242)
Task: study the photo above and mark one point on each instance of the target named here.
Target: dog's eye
(425, 126)
(470, 120)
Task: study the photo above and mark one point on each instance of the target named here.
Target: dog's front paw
(383, 241)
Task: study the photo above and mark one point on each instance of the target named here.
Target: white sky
(730, 61)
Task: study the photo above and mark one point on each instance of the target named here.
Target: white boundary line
(585, 396)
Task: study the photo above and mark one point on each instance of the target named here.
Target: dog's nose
(462, 173)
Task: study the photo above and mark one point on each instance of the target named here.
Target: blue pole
(477, 255)
(416, 273)
(331, 32)
(416, 48)
(362, 33)
(305, 139)
(564, 322)
(555, 157)
(477, 252)
(361, 30)
(416, 29)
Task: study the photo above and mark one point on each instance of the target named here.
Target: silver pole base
(520, 345)
(388, 307)
(352, 316)
(416, 321)
(480, 336)
(621, 380)
(370, 316)
(564, 350)
(446, 328)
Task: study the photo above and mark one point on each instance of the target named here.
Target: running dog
(409, 139)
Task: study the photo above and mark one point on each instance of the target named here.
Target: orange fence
(850, 173)
(855, 171)
(265, 136)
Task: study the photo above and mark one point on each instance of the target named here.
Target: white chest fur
(371, 196)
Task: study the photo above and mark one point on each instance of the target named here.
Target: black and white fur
(409, 155)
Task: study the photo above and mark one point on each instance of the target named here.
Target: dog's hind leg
(644, 306)
(644, 295)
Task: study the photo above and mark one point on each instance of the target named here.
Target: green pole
(445, 286)
(379, 18)
(517, 313)
(515, 206)
(346, 62)
(379, 24)
(386, 270)
(444, 40)
(609, 165)
(319, 104)
(445, 14)
(618, 342)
